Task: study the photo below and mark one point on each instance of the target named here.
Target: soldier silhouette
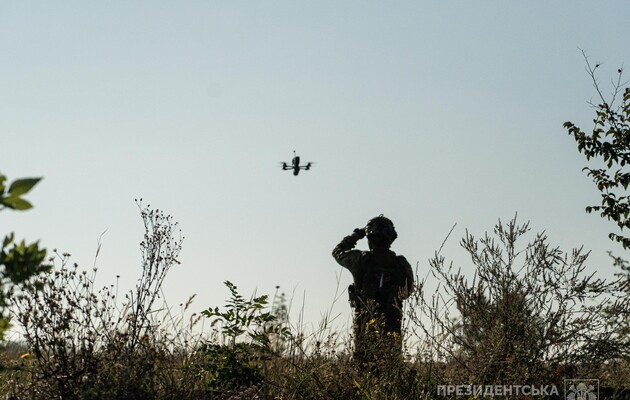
(382, 280)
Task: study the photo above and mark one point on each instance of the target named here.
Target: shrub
(84, 345)
(242, 342)
(20, 261)
(526, 314)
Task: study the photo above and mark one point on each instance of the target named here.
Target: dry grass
(85, 343)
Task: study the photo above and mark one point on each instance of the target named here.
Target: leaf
(16, 203)
(22, 186)
(7, 240)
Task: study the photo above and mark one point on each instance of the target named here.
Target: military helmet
(381, 229)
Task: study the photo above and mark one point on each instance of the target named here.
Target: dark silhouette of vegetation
(233, 363)
(83, 344)
(87, 343)
(526, 313)
(609, 141)
(20, 261)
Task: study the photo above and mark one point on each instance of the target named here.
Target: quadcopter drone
(295, 165)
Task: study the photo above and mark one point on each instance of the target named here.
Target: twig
(446, 238)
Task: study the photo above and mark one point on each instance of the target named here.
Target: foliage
(83, 344)
(624, 286)
(243, 362)
(20, 261)
(11, 197)
(234, 363)
(525, 313)
(529, 315)
(609, 141)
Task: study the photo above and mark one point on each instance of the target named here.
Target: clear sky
(430, 112)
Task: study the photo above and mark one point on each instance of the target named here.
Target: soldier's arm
(407, 287)
(345, 254)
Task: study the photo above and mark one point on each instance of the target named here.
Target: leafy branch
(609, 141)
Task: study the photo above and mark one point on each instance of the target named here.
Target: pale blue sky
(432, 113)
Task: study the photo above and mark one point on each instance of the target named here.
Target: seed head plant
(86, 343)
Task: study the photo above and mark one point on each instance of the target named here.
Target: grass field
(529, 318)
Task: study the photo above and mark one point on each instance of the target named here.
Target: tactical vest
(380, 279)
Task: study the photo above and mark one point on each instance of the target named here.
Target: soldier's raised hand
(359, 233)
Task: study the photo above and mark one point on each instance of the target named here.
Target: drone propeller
(295, 164)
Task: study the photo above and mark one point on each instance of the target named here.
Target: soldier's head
(380, 232)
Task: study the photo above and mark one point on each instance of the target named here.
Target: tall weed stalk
(84, 344)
